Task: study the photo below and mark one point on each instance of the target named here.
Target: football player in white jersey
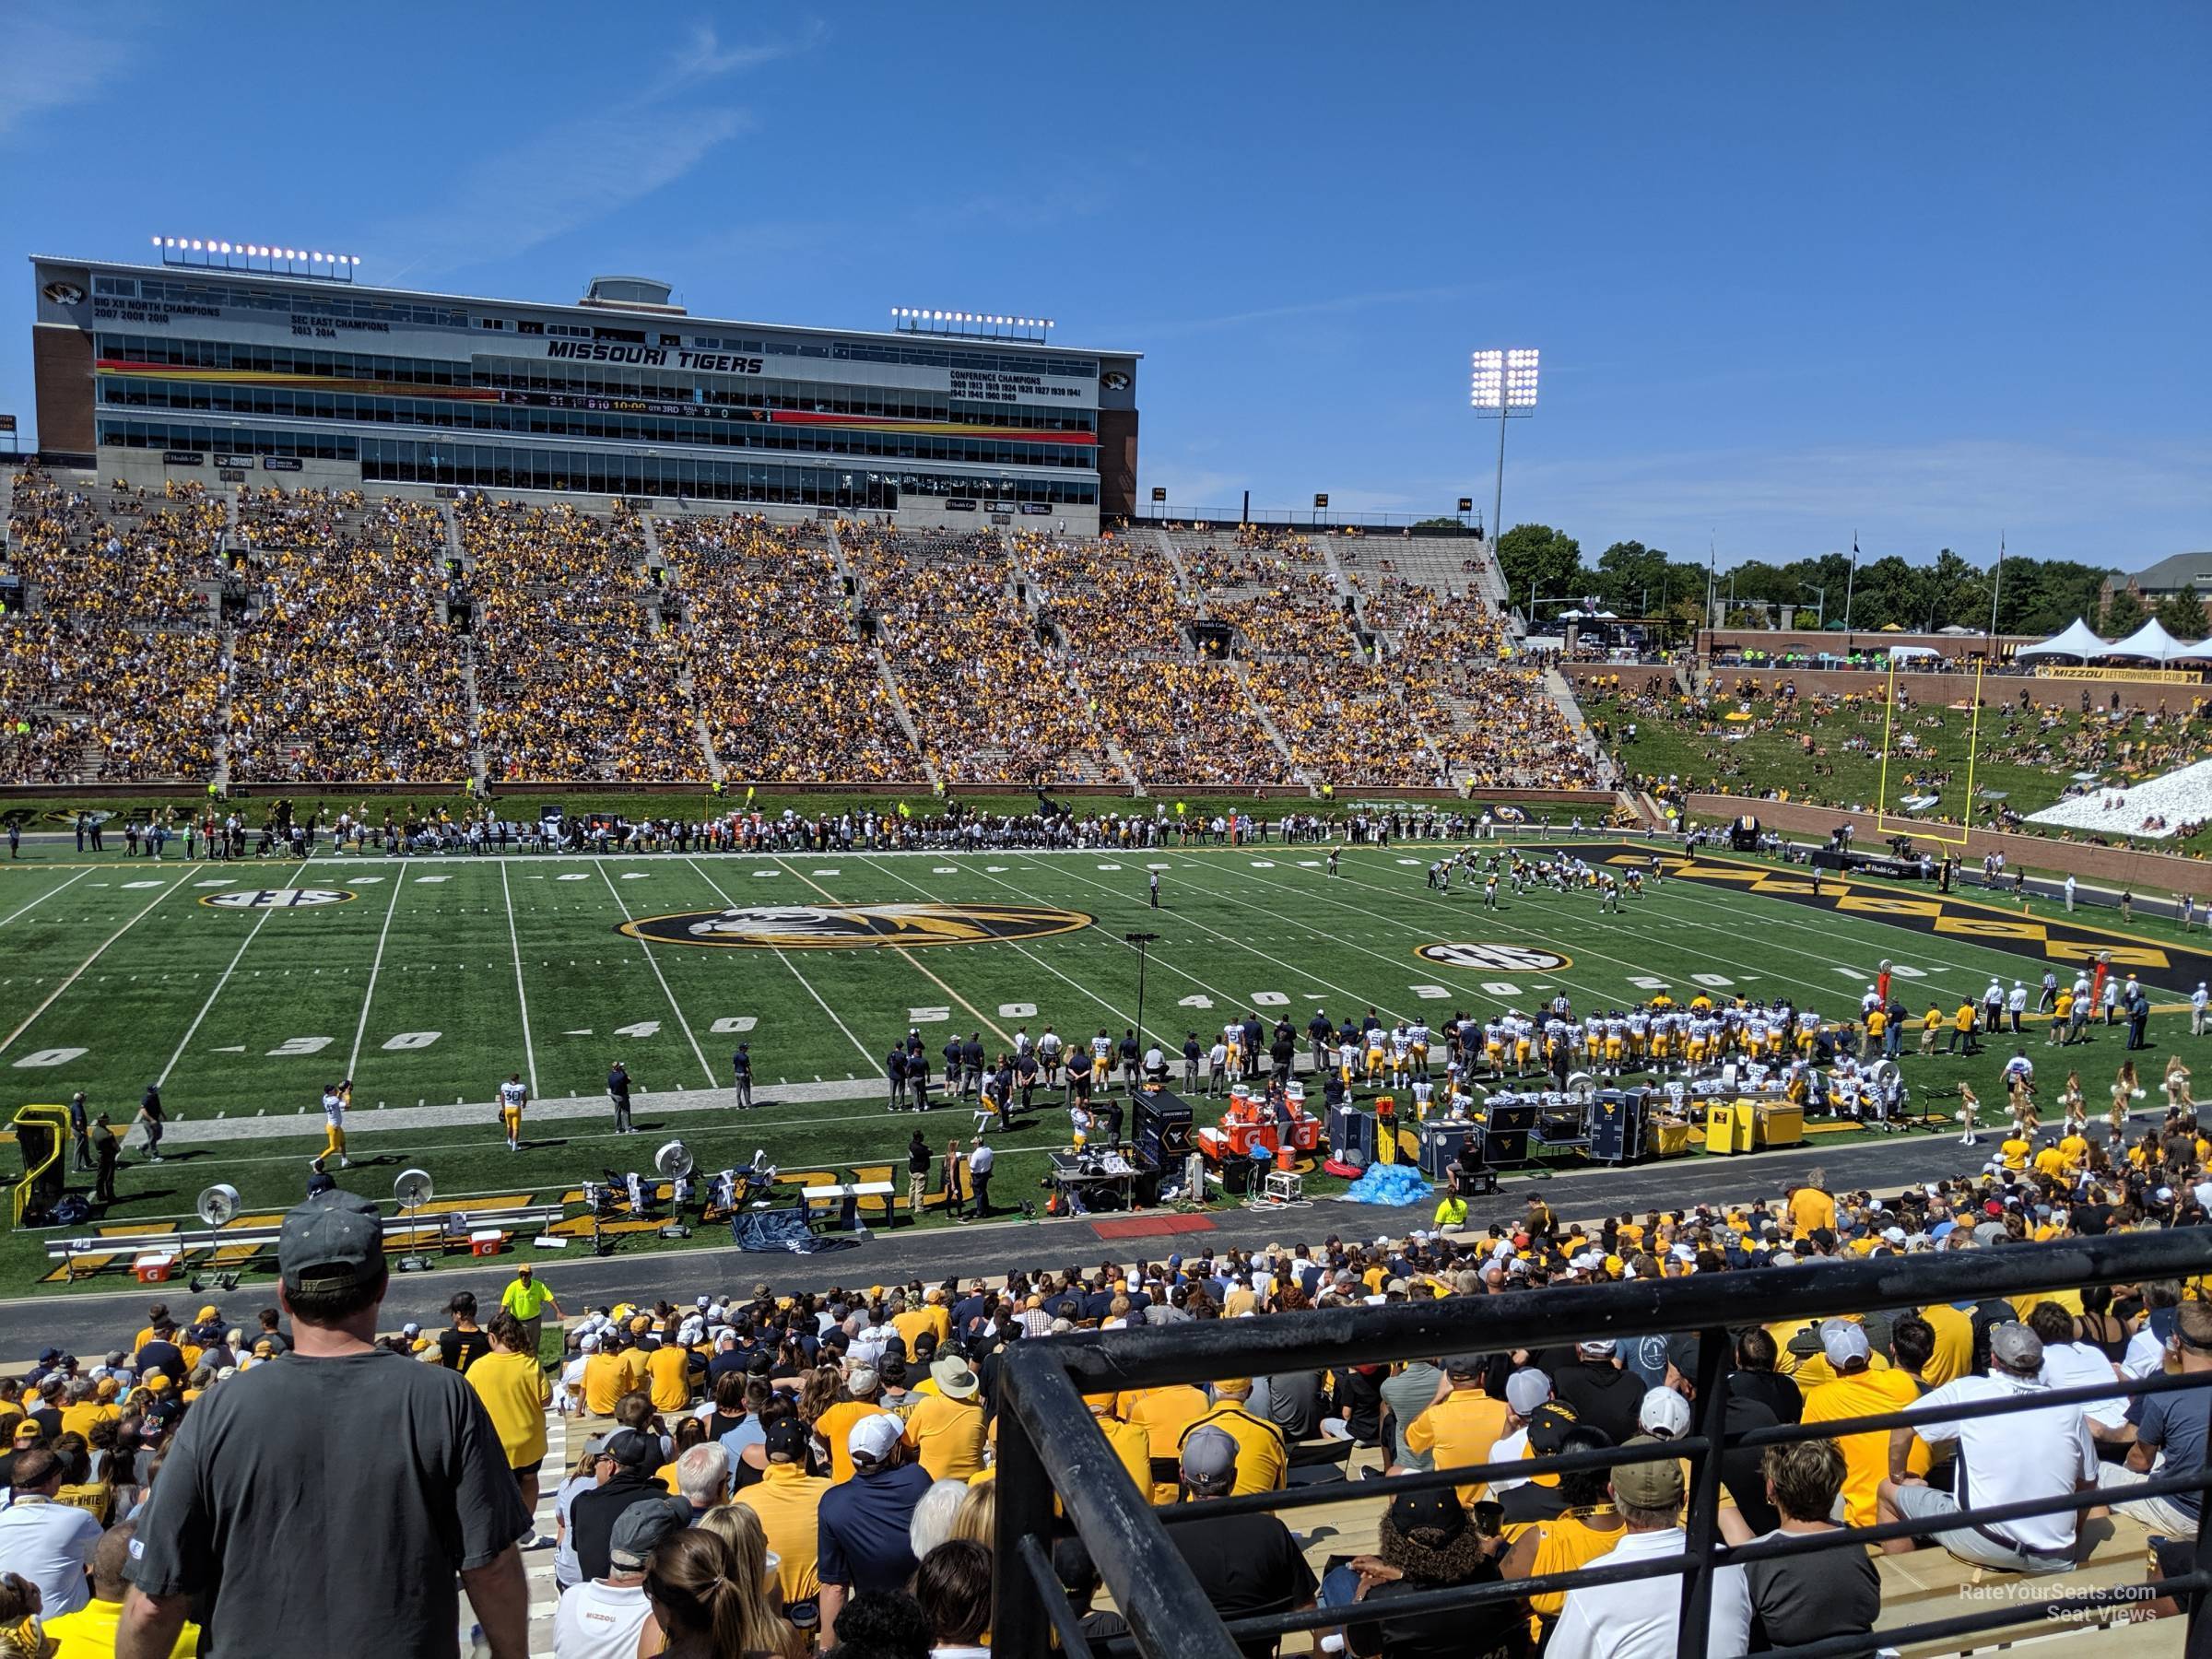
(336, 1096)
(515, 1094)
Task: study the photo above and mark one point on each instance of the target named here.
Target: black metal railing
(1048, 1446)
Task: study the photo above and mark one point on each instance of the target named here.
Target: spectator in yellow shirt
(90, 1633)
(605, 1376)
(511, 1384)
(834, 1426)
(1811, 1206)
(1462, 1424)
(946, 1428)
(668, 1376)
(1858, 1390)
(787, 1500)
(1262, 1461)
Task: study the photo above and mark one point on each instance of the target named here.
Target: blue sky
(1929, 272)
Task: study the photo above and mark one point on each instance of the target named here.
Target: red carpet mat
(1142, 1227)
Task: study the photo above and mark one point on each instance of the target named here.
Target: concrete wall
(919, 513)
(1924, 688)
(2149, 873)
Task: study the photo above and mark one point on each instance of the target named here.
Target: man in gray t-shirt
(1408, 1395)
(329, 1497)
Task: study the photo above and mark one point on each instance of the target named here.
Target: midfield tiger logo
(854, 926)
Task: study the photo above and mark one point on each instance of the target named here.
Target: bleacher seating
(569, 643)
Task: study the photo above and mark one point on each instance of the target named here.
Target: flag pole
(1850, 583)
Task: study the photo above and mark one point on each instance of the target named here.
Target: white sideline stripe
(224, 978)
(353, 1061)
(32, 1019)
(674, 1006)
(49, 893)
(787, 962)
(1081, 989)
(921, 967)
(529, 1052)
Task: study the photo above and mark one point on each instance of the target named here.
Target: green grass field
(439, 977)
(2017, 759)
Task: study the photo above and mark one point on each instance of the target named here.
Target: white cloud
(564, 177)
(47, 67)
(554, 183)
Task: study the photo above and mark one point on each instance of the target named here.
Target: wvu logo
(854, 926)
(278, 898)
(1523, 959)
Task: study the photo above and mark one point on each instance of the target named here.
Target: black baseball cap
(786, 1437)
(331, 1244)
(1438, 1512)
(633, 1449)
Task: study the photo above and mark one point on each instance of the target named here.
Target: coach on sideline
(334, 1491)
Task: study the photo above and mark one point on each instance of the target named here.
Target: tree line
(2034, 596)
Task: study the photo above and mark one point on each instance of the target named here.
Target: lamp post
(1503, 383)
(1143, 943)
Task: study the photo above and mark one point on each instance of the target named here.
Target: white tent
(2149, 641)
(2076, 641)
(1903, 651)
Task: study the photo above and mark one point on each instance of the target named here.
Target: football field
(242, 989)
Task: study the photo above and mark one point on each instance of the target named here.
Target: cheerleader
(2075, 1106)
(2177, 1086)
(2020, 1090)
(2124, 1091)
(1969, 1104)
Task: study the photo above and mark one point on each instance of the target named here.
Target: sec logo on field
(278, 898)
(1525, 958)
(854, 926)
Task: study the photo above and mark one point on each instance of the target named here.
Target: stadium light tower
(1504, 384)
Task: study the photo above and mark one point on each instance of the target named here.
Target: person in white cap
(2198, 1000)
(2040, 1453)
(863, 1523)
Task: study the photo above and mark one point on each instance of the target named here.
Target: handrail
(1050, 1445)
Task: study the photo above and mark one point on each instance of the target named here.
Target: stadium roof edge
(312, 285)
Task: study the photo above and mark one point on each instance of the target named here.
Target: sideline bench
(170, 1248)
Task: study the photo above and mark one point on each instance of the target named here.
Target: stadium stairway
(453, 535)
(1334, 566)
(906, 718)
(222, 706)
(478, 766)
(1182, 576)
(1242, 671)
(1563, 695)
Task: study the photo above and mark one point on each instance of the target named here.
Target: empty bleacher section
(314, 635)
(787, 687)
(347, 667)
(575, 679)
(110, 664)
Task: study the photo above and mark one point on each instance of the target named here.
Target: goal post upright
(1884, 822)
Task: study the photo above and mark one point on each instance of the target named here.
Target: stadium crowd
(576, 678)
(771, 1472)
(364, 641)
(347, 668)
(786, 689)
(118, 672)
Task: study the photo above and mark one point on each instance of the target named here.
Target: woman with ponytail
(706, 1605)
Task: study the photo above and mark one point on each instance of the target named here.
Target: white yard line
(983, 1019)
(1157, 961)
(377, 963)
(1305, 974)
(674, 1006)
(787, 962)
(224, 978)
(523, 996)
(49, 893)
(7, 1042)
